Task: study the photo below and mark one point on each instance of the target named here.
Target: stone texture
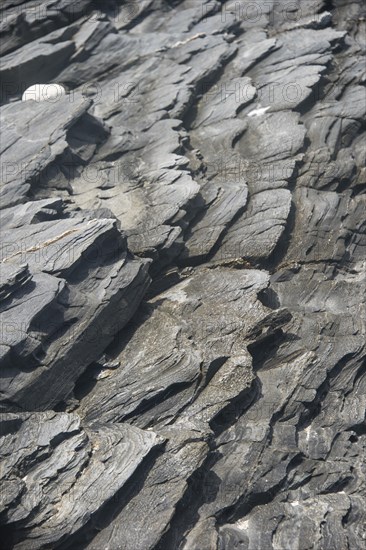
(183, 275)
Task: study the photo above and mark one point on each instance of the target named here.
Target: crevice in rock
(110, 509)
(313, 409)
(235, 409)
(148, 404)
(267, 348)
(202, 487)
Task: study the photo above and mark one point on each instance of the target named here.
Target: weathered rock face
(73, 285)
(56, 445)
(183, 275)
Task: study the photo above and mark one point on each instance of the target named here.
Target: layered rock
(183, 275)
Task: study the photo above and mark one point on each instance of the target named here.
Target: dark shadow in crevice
(269, 298)
(202, 488)
(248, 502)
(113, 507)
(228, 416)
(266, 348)
(283, 244)
(313, 409)
(147, 405)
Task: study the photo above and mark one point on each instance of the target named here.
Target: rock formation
(183, 275)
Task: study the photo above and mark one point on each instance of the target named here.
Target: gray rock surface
(37, 447)
(183, 275)
(69, 285)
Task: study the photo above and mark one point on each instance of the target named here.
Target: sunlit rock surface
(183, 275)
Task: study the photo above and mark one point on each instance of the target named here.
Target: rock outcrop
(183, 275)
